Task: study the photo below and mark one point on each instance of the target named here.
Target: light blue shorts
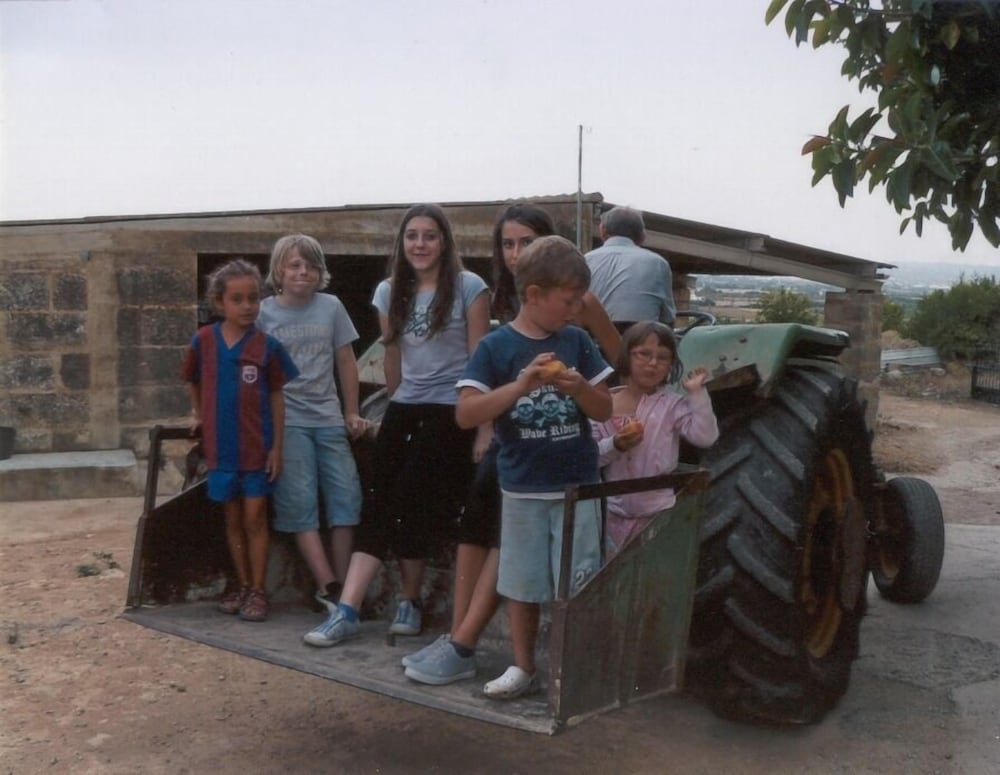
(316, 461)
(224, 486)
(531, 544)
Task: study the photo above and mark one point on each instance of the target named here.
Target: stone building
(95, 313)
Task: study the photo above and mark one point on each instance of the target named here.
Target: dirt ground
(929, 428)
(87, 692)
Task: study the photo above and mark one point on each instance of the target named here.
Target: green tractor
(751, 593)
(796, 514)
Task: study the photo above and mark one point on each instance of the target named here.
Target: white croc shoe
(513, 683)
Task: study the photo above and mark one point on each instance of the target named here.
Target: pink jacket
(666, 416)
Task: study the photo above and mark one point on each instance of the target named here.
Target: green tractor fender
(755, 356)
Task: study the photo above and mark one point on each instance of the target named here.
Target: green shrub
(962, 322)
(893, 316)
(785, 306)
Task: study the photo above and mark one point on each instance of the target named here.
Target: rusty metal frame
(179, 546)
(622, 637)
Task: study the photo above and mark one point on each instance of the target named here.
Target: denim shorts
(224, 486)
(315, 462)
(531, 545)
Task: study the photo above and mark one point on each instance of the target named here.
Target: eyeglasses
(648, 356)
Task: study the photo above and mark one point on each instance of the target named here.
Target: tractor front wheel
(908, 541)
(782, 568)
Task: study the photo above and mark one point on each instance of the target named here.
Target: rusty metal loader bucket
(180, 548)
(620, 639)
(623, 636)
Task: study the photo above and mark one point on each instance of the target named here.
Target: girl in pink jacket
(642, 438)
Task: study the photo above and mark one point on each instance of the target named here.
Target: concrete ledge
(54, 475)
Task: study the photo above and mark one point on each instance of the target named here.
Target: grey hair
(624, 222)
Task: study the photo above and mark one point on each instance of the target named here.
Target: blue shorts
(226, 486)
(316, 461)
(531, 544)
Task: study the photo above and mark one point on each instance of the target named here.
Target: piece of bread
(552, 369)
(633, 428)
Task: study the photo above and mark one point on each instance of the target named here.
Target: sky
(692, 109)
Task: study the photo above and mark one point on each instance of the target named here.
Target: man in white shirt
(631, 282)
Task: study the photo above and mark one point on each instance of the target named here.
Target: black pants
(423, 469)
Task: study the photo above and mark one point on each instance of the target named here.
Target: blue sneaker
(426, 651)
(407, 621)
(443, 666)
(331, 632)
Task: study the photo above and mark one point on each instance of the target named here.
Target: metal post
(152, 469)
(579, 188)
(566, 555)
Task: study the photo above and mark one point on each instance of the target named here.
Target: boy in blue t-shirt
(540, 379)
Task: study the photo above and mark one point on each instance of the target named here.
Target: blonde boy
(546, 449)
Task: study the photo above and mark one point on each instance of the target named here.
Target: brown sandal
(232, 602)
(254, 607)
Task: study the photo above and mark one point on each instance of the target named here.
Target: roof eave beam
(760, 262)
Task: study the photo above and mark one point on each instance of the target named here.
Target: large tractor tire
(782, 570)
(908, 542)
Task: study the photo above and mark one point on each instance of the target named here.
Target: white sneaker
(513, 683)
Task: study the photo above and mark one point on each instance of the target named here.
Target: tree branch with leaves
(933, 141)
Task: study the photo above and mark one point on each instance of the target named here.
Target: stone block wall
(91, 341)
(91, 346)
(45, 377)
(860, 315)
(154, 319)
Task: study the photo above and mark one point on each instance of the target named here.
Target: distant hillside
(936, 275)
(911, 280)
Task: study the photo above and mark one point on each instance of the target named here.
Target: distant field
(729, 314)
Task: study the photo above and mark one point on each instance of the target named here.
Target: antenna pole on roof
(579, 188)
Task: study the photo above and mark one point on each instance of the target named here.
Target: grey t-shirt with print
(311, 334)
(432, 365)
